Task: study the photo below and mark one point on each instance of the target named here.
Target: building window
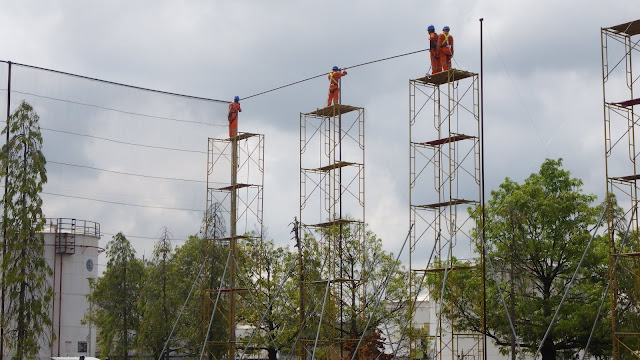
(82, 346)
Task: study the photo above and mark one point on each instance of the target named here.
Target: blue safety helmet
(237, 98)
(431, 28)
(335, 68)
(446, 28)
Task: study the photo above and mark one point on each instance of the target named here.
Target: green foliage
(115, 298)
(158, 300)
(271, 275)
(362, 267)
(536, 233)
(24, 268)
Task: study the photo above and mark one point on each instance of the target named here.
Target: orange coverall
(334, 90)
(234, 108)
(435, 55)
(445, 48)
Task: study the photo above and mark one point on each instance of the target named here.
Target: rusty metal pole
(232, 244)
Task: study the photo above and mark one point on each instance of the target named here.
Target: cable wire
(184, 305)
(122, 142)
(121, 203)
(114, 83)
(604, 294)
(324, 74)
(116, 110)
(124, 173)
(566, 292)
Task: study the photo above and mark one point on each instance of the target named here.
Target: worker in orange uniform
(334, 88)
(234, 108)
(445, 48)
(433, 50)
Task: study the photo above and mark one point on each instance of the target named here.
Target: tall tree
(536, 233)
(276, 297)
(269, 272)
(24, 268)
(158, 299)
(115, 296)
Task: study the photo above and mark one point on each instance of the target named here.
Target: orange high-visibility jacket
(334, 76)
(234, 108)
(433, 42)
(445, 44)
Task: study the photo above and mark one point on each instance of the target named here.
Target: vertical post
(296, 231)
(341, 245)
(484, 248)
(232, 244)
(4, 220)
(89, 353)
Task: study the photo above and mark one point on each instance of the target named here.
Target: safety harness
(331, 78)
(445, 42)
(232, 111)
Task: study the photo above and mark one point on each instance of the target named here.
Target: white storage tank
(71, 250)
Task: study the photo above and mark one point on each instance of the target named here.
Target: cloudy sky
(543, 95)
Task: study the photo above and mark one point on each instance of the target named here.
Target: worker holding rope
(234, 109)
(433, 50)
(334, 85)
(445, 48)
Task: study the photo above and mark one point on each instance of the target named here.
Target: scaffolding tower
(235, 178)
(619, 43)
(332, 210)
(444, 181)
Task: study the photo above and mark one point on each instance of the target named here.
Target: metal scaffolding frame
(618, 44)
(235, 178)
(332, 203)
(444, 180)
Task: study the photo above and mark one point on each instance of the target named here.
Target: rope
(113, 82)
(324, 303)
(380, 292)
(604, 294)
(324, 74)
(504, 304)
(181, 311)
(566, 292)
(215, 305)
(264, 314)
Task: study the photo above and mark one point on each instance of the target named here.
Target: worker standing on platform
(234, 108)
(433, 50)
(445, 48)
(334, 85)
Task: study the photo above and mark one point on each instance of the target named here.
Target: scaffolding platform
(333, 223)
(445, 77)
(628, 103)
(450, 268)
(626, 178)
(242, 136)
(336, 165)
(236, 186)
(333, 110)
(453, 202)
(450, 139)
(630, 28)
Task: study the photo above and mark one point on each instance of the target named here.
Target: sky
(542, 86)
